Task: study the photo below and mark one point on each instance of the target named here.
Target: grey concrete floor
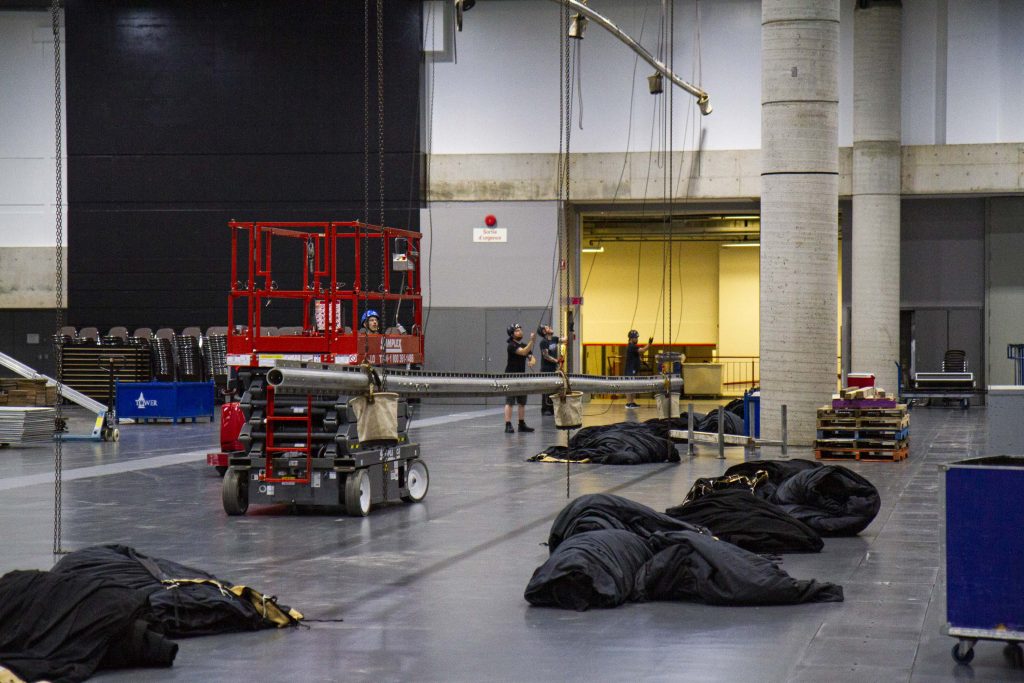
(434, 591)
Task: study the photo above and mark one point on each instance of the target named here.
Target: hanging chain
(385, 466)
(670, 51)
(58, 443)
(380, 153)
(363, 274)
(565, 128)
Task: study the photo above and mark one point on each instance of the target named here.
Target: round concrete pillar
(799, 212)
(875, 275)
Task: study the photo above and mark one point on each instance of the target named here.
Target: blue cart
(984, 553)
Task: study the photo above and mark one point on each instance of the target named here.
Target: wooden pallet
(862, 454)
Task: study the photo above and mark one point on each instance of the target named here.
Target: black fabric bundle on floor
(590, 569)
(596, 560)
(689, 566)
(63, 628)
(754, 524)
(831, 499)
(623, 443)
(183, 601)
(597, 511)
(701, 423)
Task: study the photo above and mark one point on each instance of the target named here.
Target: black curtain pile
(623, 443)
(831, 499)
(109, 607)
(607, 550)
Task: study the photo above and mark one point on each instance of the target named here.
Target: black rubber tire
(357, 494)
(234, 492)
(115, 434)
(105, 434)
(417, 481)
(965, 657)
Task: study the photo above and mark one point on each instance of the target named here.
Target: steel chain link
(58, 450)
(380, 160)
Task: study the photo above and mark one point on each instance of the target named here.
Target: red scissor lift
(329, 317)
(304, 450)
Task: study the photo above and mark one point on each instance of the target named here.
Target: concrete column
(875, 277)
(799, 207)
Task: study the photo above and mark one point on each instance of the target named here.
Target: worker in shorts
(633, 353)
(519, 355)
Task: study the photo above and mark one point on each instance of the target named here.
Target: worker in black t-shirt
(633, 353)
(548, 362)
(519, 354)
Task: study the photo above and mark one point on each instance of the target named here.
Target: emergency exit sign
(490, 235)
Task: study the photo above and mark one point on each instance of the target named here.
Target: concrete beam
(27, 277)
(988, 169)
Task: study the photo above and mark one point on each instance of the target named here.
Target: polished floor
(434, 591)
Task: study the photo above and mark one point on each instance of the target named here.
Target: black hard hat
(633, 333)
(510, 330)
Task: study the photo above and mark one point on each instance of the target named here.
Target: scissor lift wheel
(417, 481)
(357, 494)
(234, 492)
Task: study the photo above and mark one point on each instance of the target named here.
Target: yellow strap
(267, 607)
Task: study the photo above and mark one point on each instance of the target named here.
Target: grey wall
(474, 291)
(1004, 322)
(942, 279)
(464, 274)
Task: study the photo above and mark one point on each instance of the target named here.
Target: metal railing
(739, 373)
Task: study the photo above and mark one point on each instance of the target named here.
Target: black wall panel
(183, 116)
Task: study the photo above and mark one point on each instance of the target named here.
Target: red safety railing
(326, 329)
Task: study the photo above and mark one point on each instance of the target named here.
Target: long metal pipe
(345, 381)
(702, 97)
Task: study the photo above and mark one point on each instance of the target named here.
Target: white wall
(502, 95)
(27, 187)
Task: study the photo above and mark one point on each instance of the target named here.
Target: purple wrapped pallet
(860, 403)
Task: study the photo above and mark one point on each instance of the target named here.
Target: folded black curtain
(183, 601)
(623, 443)
(831, 499)
(598, 511)
(743, 519)
(689, 566)
(591, 569)
(63, 627)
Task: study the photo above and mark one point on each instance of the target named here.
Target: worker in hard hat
(519, 355)
(370, 322)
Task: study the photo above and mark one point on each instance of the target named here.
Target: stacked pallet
(863, 424)
(27, 392)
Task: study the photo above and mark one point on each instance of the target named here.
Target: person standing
(633, 353)
(519, 355)
(548, 362)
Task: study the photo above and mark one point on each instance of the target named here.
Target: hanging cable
(58, 443)
(363, 275)
(380, 160)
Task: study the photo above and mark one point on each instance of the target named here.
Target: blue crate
(752, 413)
(984, 545)
(175, 401)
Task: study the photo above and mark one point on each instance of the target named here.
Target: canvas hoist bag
(376, 416)
(568, 409)
(668, 404)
